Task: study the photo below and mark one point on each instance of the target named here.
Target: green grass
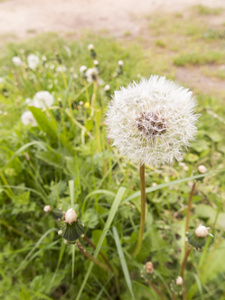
(66, 161)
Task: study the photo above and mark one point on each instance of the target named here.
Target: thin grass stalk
(143, 204)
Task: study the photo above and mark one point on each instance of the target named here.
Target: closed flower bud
(120, 63)
(149, 269)
(202, 169)
(107, 88)
(60, 232)
(90, 47)
(83, 69)
(47, 208)
(70, 216)
(179, 280)
(197, 238)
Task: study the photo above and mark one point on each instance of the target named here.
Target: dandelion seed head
(83, 69)
(16, 61)
(42, 99)
(28, 118)
(152, 121)
(91, 74)
(32, 61)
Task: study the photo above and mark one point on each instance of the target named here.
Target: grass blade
(123, 262)
(111, 216)
(160, 186)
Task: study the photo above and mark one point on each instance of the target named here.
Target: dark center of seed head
(150, 124)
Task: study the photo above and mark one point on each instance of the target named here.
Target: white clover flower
(42, 99)
(47, 208)
(83, 69)
(28, 118)
(90, 47)
(120, 63)
(150, 122)
(32, 61)
(202, 231)
(202, 169)
(91, 74)
(179, 280)
(107, 88)
(16, 61)
(70, 216)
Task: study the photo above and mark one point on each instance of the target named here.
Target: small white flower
(42, 99)
(90, 47)
(179, 280)
(202, 169)
(96, 63)
(83, 69)
(28, 118)
(70, 216)
(60, 232)
(16, 60)
(32, 61)
(202, 231)
(107, 88)
(91, 74)
(152, 121)
(120, 63)
(47, 208)
(154, 184)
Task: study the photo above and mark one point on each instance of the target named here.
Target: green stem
(143, 204)
(92, 258)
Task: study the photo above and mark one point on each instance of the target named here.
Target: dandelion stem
(143, 204)
(100, 253)
(92, 258)
(189, 208)
(156, 289)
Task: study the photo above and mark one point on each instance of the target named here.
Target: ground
(127, 19)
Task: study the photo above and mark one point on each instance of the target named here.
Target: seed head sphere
(153, 121)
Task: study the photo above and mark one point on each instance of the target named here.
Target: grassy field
(66, 161)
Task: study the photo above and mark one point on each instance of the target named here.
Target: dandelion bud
(96, 63)
(201, 231)
(47, 208)
(197, 238)
(120, 63)
(202, 169)
(149, 269)
(179, 280)
(60, 232)
(70, 216)
(107, 88)
(90, 47)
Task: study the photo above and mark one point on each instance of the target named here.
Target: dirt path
(24, 18)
